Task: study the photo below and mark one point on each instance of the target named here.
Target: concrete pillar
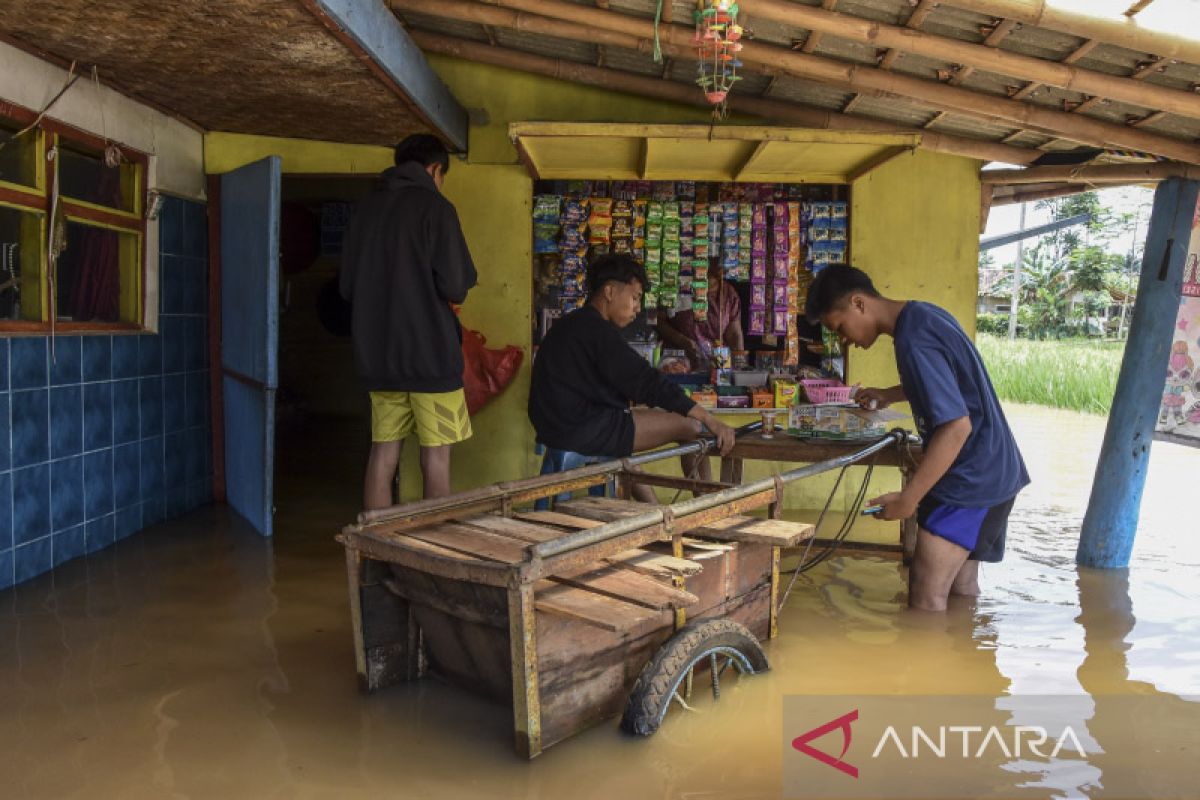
(1112, 513)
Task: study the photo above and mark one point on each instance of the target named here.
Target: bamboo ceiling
(960, 69)
(267, 67)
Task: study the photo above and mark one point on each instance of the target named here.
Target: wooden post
(522, 633)
(773, 629)
(1110, 523)
(354, 574)
(386, 638)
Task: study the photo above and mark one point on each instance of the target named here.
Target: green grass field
(1074, 374)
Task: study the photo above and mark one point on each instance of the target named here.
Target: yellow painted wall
(915, 229)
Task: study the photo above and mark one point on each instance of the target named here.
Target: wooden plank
(585, 606)
(472, 542)
(558, 518)
(657, 564)
(605, 509)
(708, 547)
(512, 528)
(621, 584)
(777, 532)
(638, 560)
(430, 558)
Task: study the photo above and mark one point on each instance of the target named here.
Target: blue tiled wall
(101, 436)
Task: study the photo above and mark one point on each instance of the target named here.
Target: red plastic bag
(485, 371)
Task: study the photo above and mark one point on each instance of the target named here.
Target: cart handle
(584, 538)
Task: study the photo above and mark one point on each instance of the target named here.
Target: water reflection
(199, 660)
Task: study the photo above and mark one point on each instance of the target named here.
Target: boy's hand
(873, 398)
(723, 432)
(896, 505)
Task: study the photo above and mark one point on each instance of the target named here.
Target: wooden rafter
(995, 36)
(1073, 18)
(1071, 58)
(914, 21)
(1149, 119)
(1149, 68)
(779, 111)
(1094, 173)
(974, 56)
(1136, 7)
(579, 23)
(814, 37)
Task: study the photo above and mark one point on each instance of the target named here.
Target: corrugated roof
(945, 20)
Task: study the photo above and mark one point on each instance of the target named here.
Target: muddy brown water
(197, 660)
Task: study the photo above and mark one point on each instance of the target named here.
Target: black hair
(423, 148)
(832, 286)
(620, 267)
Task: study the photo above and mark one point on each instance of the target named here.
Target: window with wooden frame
(72, 232)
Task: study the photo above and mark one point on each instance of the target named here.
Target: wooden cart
(574, 615)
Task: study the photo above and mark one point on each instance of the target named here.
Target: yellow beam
(228, 151)
(730, 132)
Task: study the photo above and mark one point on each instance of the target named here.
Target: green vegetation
(1071, 373)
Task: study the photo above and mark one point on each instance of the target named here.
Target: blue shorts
(982, 531)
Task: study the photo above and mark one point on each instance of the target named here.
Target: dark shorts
(611, 435)
(982, 531)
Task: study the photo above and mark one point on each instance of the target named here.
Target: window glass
(20, 258)
(18, 157)
(97, 275)
(83, 175)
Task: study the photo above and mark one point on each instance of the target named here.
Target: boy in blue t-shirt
(964, 488)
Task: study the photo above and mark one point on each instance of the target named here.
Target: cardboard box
(834, 421)
(762, 398)
(706, 398)
(786, 393)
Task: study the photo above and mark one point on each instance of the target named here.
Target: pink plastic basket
(829, 394)
(817, 383)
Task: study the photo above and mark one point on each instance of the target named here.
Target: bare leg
(435, 469)
(644, 494)
(653, 427)
(966, 582)
(935, 565)
(381, 469)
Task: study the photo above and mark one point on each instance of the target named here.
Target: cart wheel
(719, 642)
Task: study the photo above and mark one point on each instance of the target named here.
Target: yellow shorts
(440, 418)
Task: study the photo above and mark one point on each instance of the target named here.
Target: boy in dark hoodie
(404, 262)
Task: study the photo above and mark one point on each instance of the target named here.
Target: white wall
(177, 150)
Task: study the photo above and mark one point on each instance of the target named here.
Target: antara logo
(801, 743)
(1027, 738)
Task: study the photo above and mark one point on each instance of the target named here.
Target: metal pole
(609, 530)
(1016, 284)
(1106, 539)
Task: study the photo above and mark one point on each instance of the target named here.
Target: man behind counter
(586, 377)
(722, 325)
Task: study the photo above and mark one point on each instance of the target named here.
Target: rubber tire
(652, 691)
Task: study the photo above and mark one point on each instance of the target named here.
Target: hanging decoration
(718, 42)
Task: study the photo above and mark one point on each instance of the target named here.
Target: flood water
(197, 660)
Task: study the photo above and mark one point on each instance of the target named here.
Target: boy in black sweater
(405, 261)
(586, 377)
